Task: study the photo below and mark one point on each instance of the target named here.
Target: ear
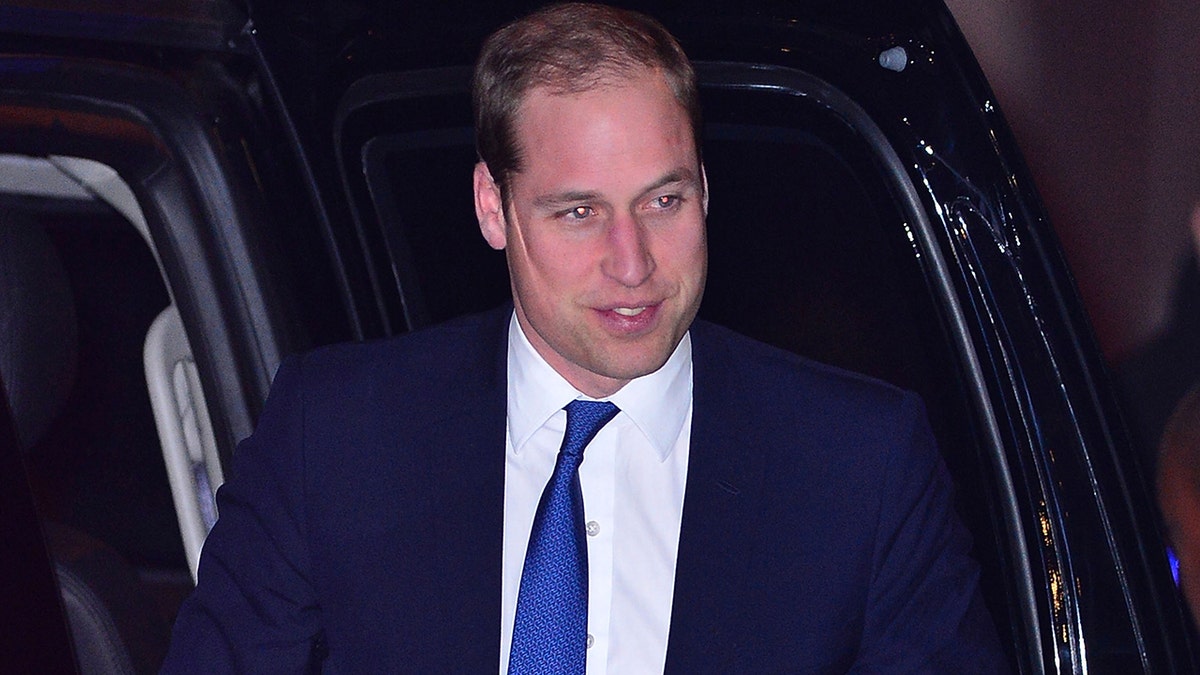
(704, 186)
(489, 208)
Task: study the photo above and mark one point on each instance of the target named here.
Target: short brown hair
(570, 48)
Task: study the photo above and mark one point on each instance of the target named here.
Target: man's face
(605, 229)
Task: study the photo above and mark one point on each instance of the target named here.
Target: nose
(628, 260)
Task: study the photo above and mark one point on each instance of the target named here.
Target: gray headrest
(38, 332)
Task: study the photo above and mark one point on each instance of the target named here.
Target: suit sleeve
(925, 613)
(254, 609)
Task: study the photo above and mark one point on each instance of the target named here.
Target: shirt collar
(657, 403)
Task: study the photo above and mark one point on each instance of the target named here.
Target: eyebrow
(563, 198)
(551, 201)
(680, 175)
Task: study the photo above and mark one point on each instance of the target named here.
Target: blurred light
(1174, 564)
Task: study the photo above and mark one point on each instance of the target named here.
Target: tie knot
(584, 421)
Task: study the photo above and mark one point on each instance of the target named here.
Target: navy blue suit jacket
(362, 528)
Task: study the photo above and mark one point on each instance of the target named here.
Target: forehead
(620, 122)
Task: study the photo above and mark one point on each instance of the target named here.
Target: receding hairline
(569, 48)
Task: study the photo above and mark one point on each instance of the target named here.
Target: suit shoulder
(764, 368)
(463, 348)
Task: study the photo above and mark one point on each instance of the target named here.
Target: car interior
(82, 290)
(808, 251)
(111, 276)
(816, 245)
(100, 264)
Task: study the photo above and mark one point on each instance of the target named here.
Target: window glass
(81, 289)
(96, 461)
(437, 253)
(808, 251)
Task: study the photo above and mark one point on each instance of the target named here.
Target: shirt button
(591, 641)
(593, 528)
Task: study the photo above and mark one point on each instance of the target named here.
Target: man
(744, 510)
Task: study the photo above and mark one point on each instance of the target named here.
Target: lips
(630, 320)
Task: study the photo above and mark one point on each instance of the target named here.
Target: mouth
(633, 319)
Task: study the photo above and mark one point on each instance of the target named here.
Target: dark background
(1103, 98)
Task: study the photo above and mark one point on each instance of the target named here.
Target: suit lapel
(723, 482)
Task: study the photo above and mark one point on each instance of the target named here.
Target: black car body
(303, 174)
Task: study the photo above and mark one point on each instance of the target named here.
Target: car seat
(105, 605)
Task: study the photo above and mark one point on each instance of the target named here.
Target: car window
(157, 241)
(819, 243)
(808, 251)
(82, 288)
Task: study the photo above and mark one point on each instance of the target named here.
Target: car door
(868, 208)
(154, 267)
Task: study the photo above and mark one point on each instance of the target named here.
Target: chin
(632, 369)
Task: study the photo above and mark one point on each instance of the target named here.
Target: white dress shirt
(632, 476)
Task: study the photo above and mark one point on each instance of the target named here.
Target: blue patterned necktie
(550, 630)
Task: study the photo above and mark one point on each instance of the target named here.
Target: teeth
(629, 311)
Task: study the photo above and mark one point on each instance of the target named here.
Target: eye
(579, 212)
(664, 201)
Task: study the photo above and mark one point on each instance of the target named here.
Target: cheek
(687, 249)
(550, 266)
